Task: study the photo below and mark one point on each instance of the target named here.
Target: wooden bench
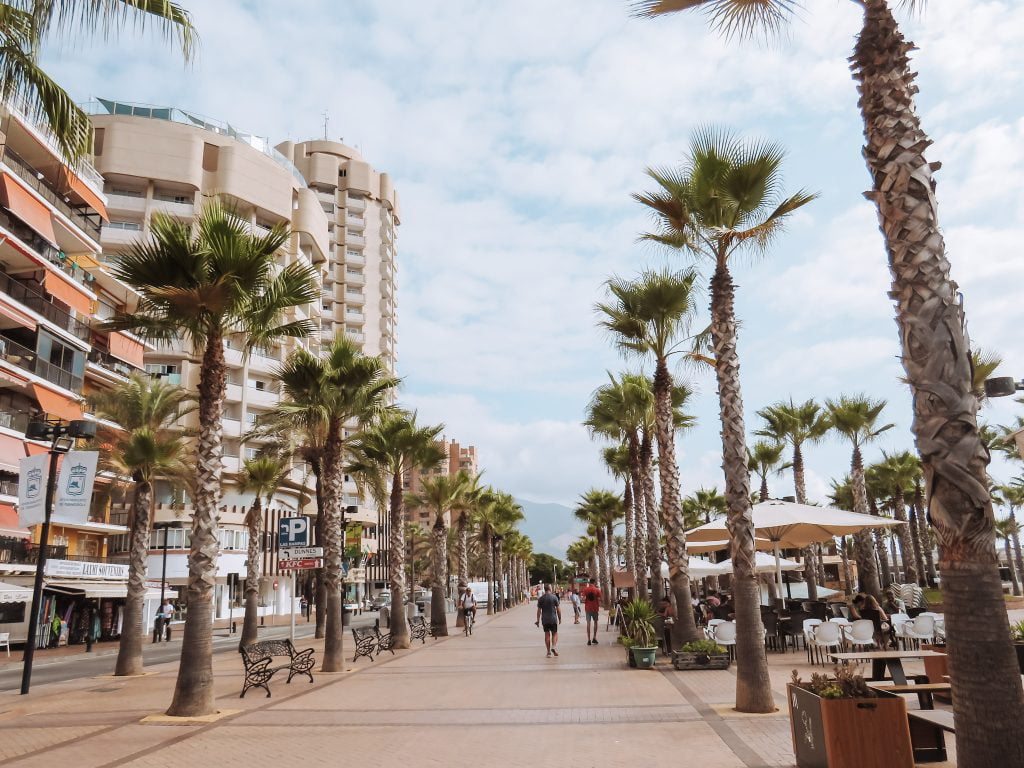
(258, 657)
(418, 629)
(925, 691)
(926, 734)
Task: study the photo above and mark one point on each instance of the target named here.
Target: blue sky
(515, 133)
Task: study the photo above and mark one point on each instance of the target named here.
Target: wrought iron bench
(418, 629)
(366, 641)
(259, 656)
(384, 642)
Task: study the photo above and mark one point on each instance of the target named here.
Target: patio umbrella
(699, 547)
(765, 563)
(788, 525)
(698, 568)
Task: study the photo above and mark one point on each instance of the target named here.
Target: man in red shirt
(591, 606)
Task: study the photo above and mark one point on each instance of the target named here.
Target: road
(63, 668)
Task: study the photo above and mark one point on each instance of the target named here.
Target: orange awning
(11, 312)
(27, 208)
(12, 450)
(67, 293)
(57, 405)
(35, 450)
(89, 197)
(124, 348)
(9, 517)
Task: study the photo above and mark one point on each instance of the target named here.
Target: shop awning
(88, 588)
(12, 593)
(12, 450)
(19, 202)
(13, 313)
(90, 198)
(57, 405)
(56, 286)
(9, 516)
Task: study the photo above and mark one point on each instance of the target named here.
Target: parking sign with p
(293, 532)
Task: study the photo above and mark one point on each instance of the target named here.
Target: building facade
(458, 458)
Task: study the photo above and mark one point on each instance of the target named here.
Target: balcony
(9, 488)
(355, 259)
(85, 219)
(354, 316)
(355, 223)
(232, 427)
(110, 363)
(355, 297)
(355, 203)
(41, 247)
(17, 421)
(354, 278)
(130, 203)
(387, 288)
(357, 336)
(39, 303)
(351, 238)
(27, 359)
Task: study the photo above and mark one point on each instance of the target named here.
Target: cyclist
(468, 605)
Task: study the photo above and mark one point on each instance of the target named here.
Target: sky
(516, 132)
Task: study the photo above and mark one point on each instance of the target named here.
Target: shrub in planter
(628, 644)
(638, 616)
(839, 722)
(701, 654)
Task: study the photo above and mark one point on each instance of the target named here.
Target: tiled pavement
(489, 700)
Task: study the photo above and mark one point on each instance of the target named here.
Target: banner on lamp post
(32, 477)
(73, 495)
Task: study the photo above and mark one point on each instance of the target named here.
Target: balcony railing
(23, 551)
(36, 301)
(111, 363)
(9, 487)
(32, 177)
(28, 359)
(16, 420)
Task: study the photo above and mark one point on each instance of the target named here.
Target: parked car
(351, 605)
(381, 600)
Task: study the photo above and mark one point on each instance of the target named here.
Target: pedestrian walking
(667, 611)
(574, 596)
(549, 616)
(591, 607)
(166, 614)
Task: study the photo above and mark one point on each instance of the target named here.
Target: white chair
(899, 622)
(5, 641)
(861, 633)
(844, 625)
(922, 628)
(709, 630)
(809, 625)
(724, 633)
(827, 635)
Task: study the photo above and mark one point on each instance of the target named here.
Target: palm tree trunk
(753, 685)
(867, 571)
(915, 536)
(254, 521)
(439, 540)
(925, 534)
(1015, 538)
(800, 481)
(1010, 565)
(318, 530)
(129, 649)
(844, 556)
(988, 701)
(631, 517)
(602, 566)
(879, 539)
(396, 563)
(653, 548)
(334, 544)
(907, 555)
(595, 571)
(463, 531)
(613, 560)
(489, 544)
(193, 690)
(499, 564)
(684, 630)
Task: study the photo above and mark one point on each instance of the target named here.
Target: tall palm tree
(143, 448)
(617, 460)
(765, 458)
(899, 472)
(320, 396)
(260, 476)
(440, 494)
(508, 513)
(24, 24)
(983, 364)
(936, 357)
(1006, 529)
(387, 450)
(471, 497)
(1012, 497)
(841, 497)
(856, 419)
(650, 317)
(795, 425)
(723, 202)
(209, 284)
(598, 508)
(878, 489)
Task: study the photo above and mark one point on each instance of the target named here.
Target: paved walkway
(493, 699)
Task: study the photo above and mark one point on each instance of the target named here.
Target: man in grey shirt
(549, 615)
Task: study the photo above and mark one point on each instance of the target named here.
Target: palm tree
(23, 27)
(440, 494)
(387, 450)
(650, 316)
(797, 424)
(470, 499)
(983, 364)
(210, 284)
(878, 490)
(598, 509)
(937, 358)
(841, 497)
(723, 202)
(898, 472)
(260, 476)
(617, 460)
(508, 513)
(1006, 529)
(143, 448)
(855, 418)
(580, 552)
(763, 459)
(320, 396)
(1012, 497)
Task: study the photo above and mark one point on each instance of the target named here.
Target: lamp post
(1005, 386)
(62, 438)
(159, 628)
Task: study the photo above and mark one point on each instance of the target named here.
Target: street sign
(300, 565)
(293, 532)
(300, 553)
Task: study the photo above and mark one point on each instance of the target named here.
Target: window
(131, 226)
(162, 369)
(60, 355)
(343, 172)
(127, 192)
(97, 141)
(211, 152)
(250, 418)
(12, 613)
(173, 197)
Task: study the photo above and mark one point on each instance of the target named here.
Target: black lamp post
(158, 627)
(62, 438)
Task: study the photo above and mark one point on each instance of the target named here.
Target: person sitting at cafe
(864, 606)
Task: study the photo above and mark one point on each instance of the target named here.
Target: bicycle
(467, 623)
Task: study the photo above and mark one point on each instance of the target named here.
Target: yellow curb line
(198, 720)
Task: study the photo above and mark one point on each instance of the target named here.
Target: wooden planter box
(849, 733)
(689, 660)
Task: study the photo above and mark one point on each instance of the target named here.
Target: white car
(351, 605)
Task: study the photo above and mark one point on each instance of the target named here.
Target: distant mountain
(550, 526)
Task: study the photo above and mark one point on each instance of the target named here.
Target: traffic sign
(301, 553)
(300, 565)
(293, 532)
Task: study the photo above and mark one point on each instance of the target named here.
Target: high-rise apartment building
(342, 218)
(458, 458)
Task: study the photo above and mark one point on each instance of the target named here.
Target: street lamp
(1002, 386)
(62, 439)
(158, 628)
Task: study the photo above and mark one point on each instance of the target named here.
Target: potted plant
(838, 722)
(639, 618)
(701, 654)
(627, 643)
(1017, 631)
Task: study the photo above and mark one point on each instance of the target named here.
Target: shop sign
(299, 565)
(77, 569)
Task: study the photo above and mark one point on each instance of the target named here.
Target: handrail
(28, 359)
(38, 302)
